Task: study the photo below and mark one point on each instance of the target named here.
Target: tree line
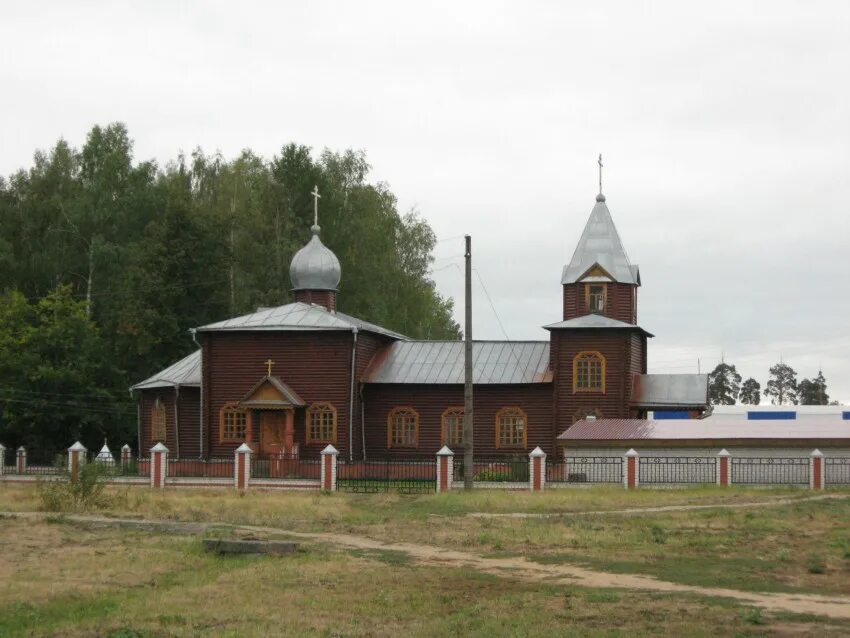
(106, 262)
(725, 387)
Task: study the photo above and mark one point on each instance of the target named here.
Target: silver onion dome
(315, 267)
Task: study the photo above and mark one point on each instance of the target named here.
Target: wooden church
(294, 378)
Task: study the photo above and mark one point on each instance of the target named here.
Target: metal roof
(594, 321)
(670, 390)
(298, 316)
(186, 372)
(600, 244)
(494, 362)
(315, 267)
(703, 429)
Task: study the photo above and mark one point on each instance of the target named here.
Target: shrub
(816, 564)
(65, 496)
(753, 616)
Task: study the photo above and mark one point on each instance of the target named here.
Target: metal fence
(504, 470)
(284, 466)
(387, 475)
(677, 469)
(836, 471)
(585, 469)
(201, 468)
(770, 471)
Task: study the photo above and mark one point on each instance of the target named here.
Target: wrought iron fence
(201, 468)
(677, 469)
(836, 471)
(770, 471)
(272, 466)
(387, 475)
(503, 470)
(585, 469)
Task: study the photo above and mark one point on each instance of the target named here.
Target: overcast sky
(725, 130)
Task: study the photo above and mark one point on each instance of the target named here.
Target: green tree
(782, 385)
(750, 392)
(813, 392)
(57, 383)
(724, 384)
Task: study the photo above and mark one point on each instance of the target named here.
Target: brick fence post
(724, 474)
(126, 457)
(329, 461)
(2, 459)
(816, 470)
(631, 459)
(159, 465)
(445, 469)
(242, 467)
(76, 457)
(21, 460)
(537, 475)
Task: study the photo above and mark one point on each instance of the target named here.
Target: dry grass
(109, 582)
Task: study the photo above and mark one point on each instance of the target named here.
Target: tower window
(589, 372)
(403, 427)
(597, 296)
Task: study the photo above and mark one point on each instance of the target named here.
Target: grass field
(61, 578)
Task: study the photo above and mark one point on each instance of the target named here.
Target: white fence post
(329, 463)
(816, 470)
(76, 457)
(631, 459)
(21, 460)
(537, 475)
(242, 467)
(126, 457)
(724, 473)
(159, 465)
(445, 469)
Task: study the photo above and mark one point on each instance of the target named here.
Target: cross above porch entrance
(269, 363)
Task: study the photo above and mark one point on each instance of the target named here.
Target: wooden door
(271, 432)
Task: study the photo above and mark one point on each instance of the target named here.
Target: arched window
(583, 413)
(511, 428)
(321, 423)
(233, 424)
(452, 427)
(403, 427)
(158, 421)
(589, 372)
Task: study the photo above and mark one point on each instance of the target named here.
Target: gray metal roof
(186, 372)
(298, 316)
(494, 362)
(315, 267)
(670, 390)
(600, 244)
(595, 321)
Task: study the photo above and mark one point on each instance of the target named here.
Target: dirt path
(662, 508)
(514, 567)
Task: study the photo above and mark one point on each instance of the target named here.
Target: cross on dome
(316, 197)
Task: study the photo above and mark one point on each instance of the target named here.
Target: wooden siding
(616, 347)
(368, 345)
(187, 417)
(326, 298)
(621, 302)
(430, 401)
(317, 365)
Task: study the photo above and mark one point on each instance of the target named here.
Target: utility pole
(467, 369)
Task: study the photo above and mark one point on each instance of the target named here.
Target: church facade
(295, 378)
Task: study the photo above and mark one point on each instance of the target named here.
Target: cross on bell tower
(316, 197)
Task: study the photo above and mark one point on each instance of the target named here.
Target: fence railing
(836, 471)
(677, 469)
(770, 471)
(387, 475)
(201, 468)
(504, 470)
(284, 466)
(585, 469)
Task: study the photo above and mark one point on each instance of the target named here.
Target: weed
(602, 597)
(658, 534)
(783, 555)
(816, 564)
(86, 493)
(753, 616)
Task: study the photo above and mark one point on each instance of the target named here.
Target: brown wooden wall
(431, 400)
(326, 298)
(368, 345)
(624, 353)
(185, 413)
(621, 302)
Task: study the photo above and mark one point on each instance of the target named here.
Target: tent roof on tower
(186, 372)
(297, 316)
